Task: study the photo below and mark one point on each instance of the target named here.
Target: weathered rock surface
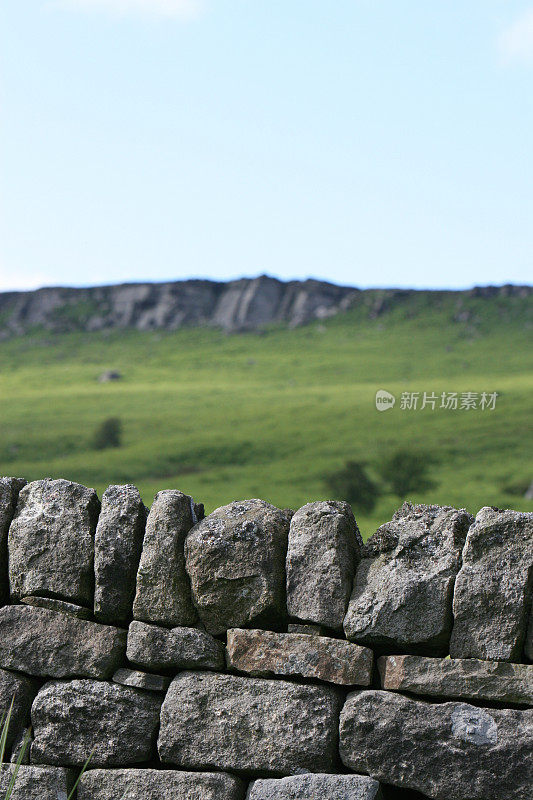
(21, 691)
(236, 561)
(468, 679)
(157, 784)
(449, 751)
(323, 552)
(70, 718)
(227, 722)
(141, 680)
(9, 492)
(117, 550)
(493, 589)
(154, 648)
(315, 787)
(48, 644)
(403, 589)
(51, 541)
(61, 606)
(163, 589)
(261, 653)
(37, 783)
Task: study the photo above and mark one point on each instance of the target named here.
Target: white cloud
(516, 42)
(176, 9)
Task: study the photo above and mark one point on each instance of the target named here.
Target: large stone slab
(117, 550)
(157, 784)
(403, 589)
(45, 643)
(323, 552)
(227, 722)
(261, 653)
(316, 787)
(163, 590)
(37, 783)
(9, 492)
(236, 561)
(448, 751)
(51, 541)
(493, 589)
(155, 648)
(20, 691)
(72, 718)
(468, 679)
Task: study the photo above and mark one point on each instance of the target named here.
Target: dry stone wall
(260, 653)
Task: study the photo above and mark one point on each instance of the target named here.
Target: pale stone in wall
(493, 589)
(163, 594)
(236, 562)
(323, 552)
(51, 541)
(403, 589)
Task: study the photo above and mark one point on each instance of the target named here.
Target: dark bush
(407, 471)
(108, 434)
(352, 484)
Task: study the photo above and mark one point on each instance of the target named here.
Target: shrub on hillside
(352, 484)
(406, 471)
(108, 434)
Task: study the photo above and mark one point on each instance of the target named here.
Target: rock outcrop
(240, 305)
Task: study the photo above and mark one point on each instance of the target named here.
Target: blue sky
(368, 142)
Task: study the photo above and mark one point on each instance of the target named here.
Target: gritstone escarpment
(240, 305)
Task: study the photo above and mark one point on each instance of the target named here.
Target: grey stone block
(20, 691)
(226, 722)
(447, 751)
(323, 552)
(61, 606)
(493, 589)
(403, 589)
(236, 562)
(37, 783)
(163, 595)
(45, 643)
(315, 787)
(9, 492)
(71, 719)
(51, 541)
(468, 679)
(157, 784)
(154, 648)
(141, 680)
(117, 550)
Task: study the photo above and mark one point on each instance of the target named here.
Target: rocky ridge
(240, 305)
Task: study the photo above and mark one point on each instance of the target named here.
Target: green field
(267, 415)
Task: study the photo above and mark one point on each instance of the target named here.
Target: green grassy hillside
(267, 415)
